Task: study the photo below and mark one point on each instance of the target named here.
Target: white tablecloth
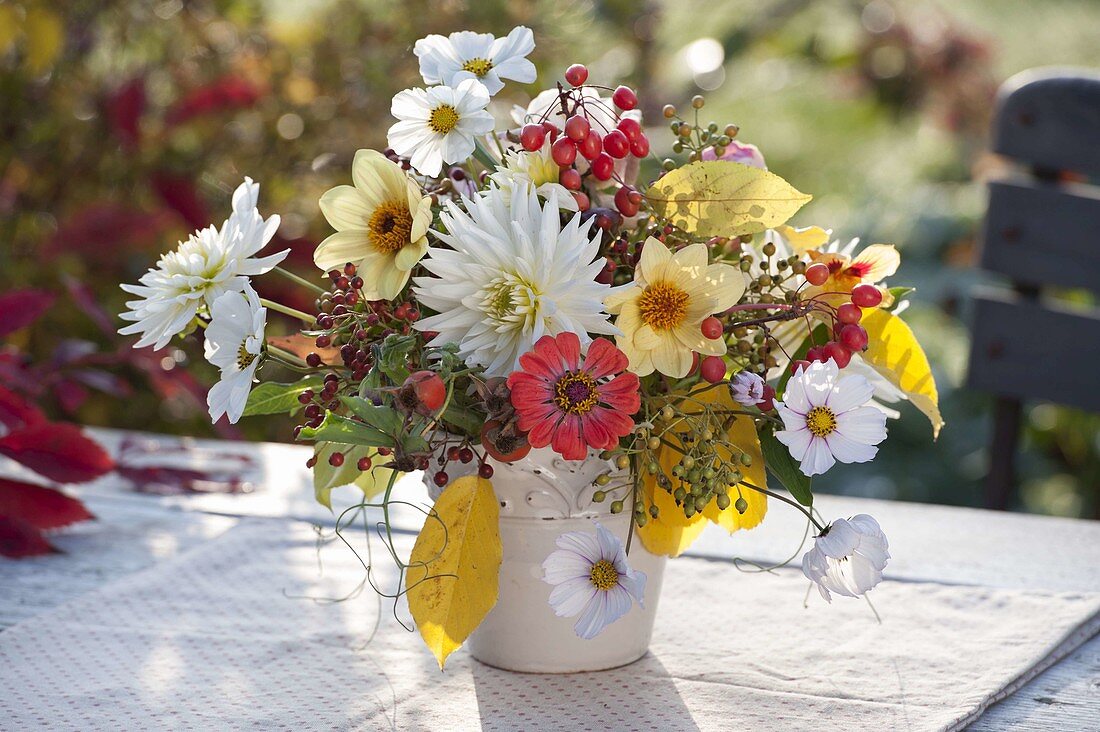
(237, 634)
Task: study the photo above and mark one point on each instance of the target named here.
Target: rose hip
(615, 144)
(577, 128)
(713, 369)
(866, 296)
(564, 151)
(849, 313)
(532, 137)
(853, 337)
(817, 273)
(576, 74)
(624, 98)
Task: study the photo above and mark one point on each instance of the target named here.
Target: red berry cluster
(351, 323)
(600, 148)
(461, 454)
(849, 336)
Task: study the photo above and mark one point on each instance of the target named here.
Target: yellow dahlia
(381, 225)
(661, 313)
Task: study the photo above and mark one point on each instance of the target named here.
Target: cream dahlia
(381, 225)
(660, 314)
(512, 274)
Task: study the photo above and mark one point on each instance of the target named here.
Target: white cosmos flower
(234, 340)
(536, 168)
(481, 56)
(592, 579)
(439, 125)
(209, 264)
(827, 418)
(848, 557)
(512, 274)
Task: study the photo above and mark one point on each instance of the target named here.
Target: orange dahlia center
(390, 227)
(575, 393)
(663, 305)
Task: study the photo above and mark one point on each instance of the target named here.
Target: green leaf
(785, 468)
(326, 477)
(897, 295)
(723, 198)
(336, 428)
(393, 357)
(381, 418)
(274, 398)
(465, 419)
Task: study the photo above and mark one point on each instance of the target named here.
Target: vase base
(537, 668)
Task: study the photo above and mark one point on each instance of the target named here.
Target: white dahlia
(512, 275)
(209, 264)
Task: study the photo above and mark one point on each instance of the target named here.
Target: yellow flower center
(663, 305)
(244, 357)
(479, 67)
(575, 393)
(390, 227)
(821, 421)
(604, 575)
(444, 119)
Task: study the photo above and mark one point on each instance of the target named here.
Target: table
(929, 543)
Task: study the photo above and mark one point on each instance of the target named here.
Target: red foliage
(106, 227)
(178, 192)
(20, 539)
(227, 93)
(20, 308)
(40, 507)
(58, 451)
(17, 413)
(124, 108)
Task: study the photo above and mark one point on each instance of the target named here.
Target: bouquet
(501, 280)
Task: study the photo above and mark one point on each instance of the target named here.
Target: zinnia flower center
(604, 575)
(390, 227)
(575, 393)
(821, 421)
(444, 119)
(479, 67)
(244, 357)
(663, 305)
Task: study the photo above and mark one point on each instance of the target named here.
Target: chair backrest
(1042, 233)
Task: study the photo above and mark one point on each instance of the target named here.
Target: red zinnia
(569, 402)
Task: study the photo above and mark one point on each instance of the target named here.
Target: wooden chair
(1041, 232)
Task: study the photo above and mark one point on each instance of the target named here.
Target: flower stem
(300, 280)
(786, 500)
(483, 156)
(286, 356)
(286, 310)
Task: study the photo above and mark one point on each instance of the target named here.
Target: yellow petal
(671, 358)
(345, 207)
(893, 351)
(408, 255)
(344, 246)
(883, 259)
(372, 172)
(655, 255)
(726, 284)
(692, 258)
(646, 339)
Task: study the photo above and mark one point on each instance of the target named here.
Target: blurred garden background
(126, 125)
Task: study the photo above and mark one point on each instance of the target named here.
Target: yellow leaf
(723, 198)
(893, 351)
(45, 37)
(671, 533)
(455, 565)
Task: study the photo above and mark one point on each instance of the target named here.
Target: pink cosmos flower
(739, 152)
(574, 403)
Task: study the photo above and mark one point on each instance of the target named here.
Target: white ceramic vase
(541, 497)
